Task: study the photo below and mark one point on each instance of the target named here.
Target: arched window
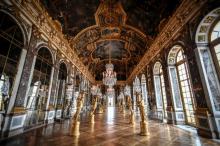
(160, 90)
(39, 89)
(181, 84)
(208, 55)
(61, 102)
(11, 45)
(61, 82)
(215, 46)
(186, 90)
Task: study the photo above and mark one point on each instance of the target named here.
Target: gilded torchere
(76, 117)
(96, 93)
(127, 93)
(140, 105)
(129, 104)
(121, 102)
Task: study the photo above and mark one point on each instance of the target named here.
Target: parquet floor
(111, 129)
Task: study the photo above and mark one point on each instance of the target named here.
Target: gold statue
(121, 105)
(129, 104)
(76, 117)
(143, 123)
(93, 108)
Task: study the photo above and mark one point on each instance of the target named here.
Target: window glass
(185, 87)
(217, 52)
(38, 92)
(11, 45)
(216, 32)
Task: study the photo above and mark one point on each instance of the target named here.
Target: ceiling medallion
(110, 14)
(137, 85)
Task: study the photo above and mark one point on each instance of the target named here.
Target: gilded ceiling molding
(94, 33)
(182, 15)
(110, 29)
(50, 30)
(109, 26)
(120, 83)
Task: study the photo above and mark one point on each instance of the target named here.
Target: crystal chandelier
(110, 92)
(95, 90)
(109, 76)
(121, 96)
(127, 90)
(137, 85)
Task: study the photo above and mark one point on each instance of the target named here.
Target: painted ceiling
(123, 28)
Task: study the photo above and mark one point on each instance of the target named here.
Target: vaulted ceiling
(123, 28)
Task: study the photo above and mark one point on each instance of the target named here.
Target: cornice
(182, 15)
(52, 31)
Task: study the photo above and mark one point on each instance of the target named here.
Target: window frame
(188, 79)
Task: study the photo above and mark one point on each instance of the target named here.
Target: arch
(156, 69)
(208, 60)
(11, 47)
(61, 100)
(160, 91)
(43, 44)
(173, 53)
(203, 30)
(143, 78)
(62, 71)
(20, 25)
(41, 75)
(181, 85)
(45, 54)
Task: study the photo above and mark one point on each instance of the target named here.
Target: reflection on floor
(187, 128)
(110, 129)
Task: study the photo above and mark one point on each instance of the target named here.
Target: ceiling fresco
(126, 27)
(112, 49)
(75, 15)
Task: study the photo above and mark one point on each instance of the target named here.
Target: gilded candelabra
(129, 104)
(76, 117)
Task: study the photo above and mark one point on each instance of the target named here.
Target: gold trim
(182, 15)
(19, 110)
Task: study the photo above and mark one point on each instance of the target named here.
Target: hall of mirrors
(109, 72)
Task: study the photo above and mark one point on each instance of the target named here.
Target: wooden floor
(110, 129)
